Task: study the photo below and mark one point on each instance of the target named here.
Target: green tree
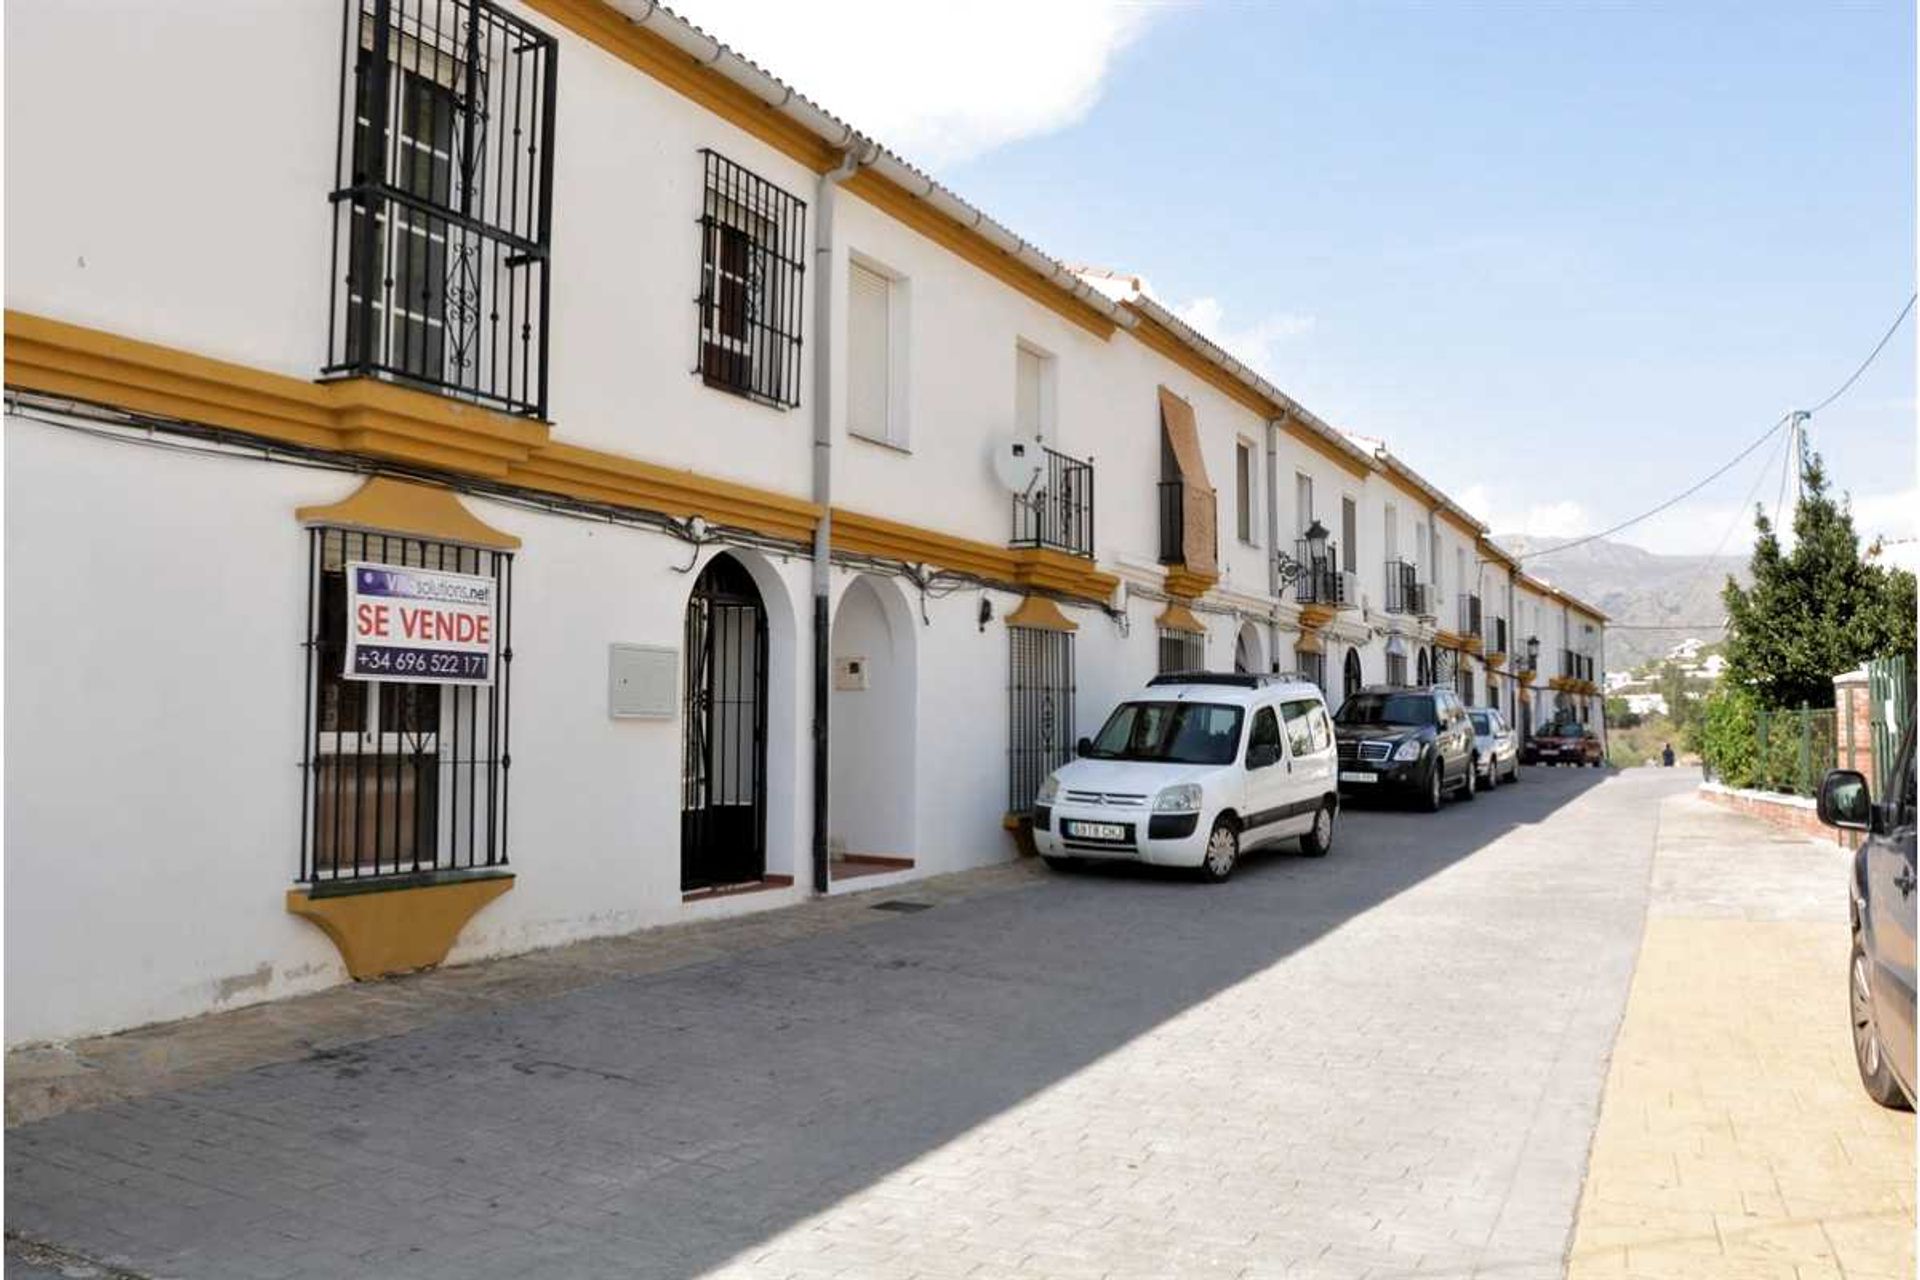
(1682, 708)
(1814, 611)
(1619, 715)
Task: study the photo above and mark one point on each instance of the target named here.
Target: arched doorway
(870, 766)
(723, 763)
(1353, 679)
(1247, 658)
(1423, 668)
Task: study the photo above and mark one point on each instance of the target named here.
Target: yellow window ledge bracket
(396, 927)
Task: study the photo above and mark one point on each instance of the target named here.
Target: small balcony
(1321, 579)
(1057, 513)
(1469, 614)
(1576, 666)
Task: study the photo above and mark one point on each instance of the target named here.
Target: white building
(584, 330)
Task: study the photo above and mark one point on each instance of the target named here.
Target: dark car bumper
(1362, 778)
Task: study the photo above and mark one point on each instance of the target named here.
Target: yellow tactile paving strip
(1734, 1138)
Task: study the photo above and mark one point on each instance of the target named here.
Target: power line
(1871, 357)
(1843, 388)
(1673, 501)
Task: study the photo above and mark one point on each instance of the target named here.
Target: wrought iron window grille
(400, 778)
(1182, 651)
(442, 201)
(752, 268)
(1040, 695)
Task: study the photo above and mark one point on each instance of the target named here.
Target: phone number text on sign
(419, 625)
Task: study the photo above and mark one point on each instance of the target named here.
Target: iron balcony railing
(1058, 511)
(442, 201)
(1469, 614)
(1403, 586)
(1576, 666)
(1321, 581)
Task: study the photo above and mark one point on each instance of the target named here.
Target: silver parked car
(1496, 747)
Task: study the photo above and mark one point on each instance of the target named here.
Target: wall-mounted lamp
(986, 611)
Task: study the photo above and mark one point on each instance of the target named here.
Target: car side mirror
(1084, 747)
(1262, 754)
(1845, 801)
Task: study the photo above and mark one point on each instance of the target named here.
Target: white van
(1194, 769)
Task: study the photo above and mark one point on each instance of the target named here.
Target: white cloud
(937, 83)
(1253, 345)
(1562, 519)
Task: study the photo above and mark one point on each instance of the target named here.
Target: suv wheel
(1223, 850)
(1473, 781)
(1319, 838)
(1436, 784)
(1875, 1075)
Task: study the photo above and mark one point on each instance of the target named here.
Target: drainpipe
(1273, 540)
(823, 494)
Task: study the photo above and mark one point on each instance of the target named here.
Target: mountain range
(1652, 601)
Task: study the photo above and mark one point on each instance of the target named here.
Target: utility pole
(1797, 454)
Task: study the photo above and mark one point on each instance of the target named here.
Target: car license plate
(1351, 775)
(1097, 830)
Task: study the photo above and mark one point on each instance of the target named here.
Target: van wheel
(1875, 1075)
(1059, 864)
(1319, 838)
(1223, 851)
(1435, 786)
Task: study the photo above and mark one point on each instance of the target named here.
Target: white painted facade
(154, 786)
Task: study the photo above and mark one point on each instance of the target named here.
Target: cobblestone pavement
(1735, 1140)
(1384, 1063)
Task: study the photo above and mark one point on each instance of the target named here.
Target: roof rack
(1233, 679)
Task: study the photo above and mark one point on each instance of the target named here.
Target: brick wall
(1788, 813)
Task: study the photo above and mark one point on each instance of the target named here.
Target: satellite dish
(1018, 464)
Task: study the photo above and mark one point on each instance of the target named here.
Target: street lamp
(1289, 571)
(1533, 653)
(1316, 537)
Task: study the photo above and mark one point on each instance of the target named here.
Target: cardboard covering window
(1198, 505)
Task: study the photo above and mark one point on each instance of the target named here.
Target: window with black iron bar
(442, 201)
(1040, 710)
(1182, 651)
(752, 246)
(403, 779)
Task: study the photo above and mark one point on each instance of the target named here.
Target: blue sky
(1566, 259)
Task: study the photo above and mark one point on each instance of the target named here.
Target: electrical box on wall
(642, 682)
(850, 674)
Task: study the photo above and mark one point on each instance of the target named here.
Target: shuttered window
(1243, 488)
(869, 355)
(1349, 535)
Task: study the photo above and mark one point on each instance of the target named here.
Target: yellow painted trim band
(386, 505)
(388, 931)
(1042, 614)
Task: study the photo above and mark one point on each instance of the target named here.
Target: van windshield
(1171, 732)
(1415, 709)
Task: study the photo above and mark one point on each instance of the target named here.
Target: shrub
(1729, 736)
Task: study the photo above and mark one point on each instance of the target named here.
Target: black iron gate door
(723, 773)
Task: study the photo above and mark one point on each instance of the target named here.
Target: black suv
(1880, 971)
(1405, 742)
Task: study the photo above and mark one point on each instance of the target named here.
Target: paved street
(1383, 1064)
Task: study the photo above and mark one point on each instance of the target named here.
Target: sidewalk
(1734, 1138)
(54, 1079)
